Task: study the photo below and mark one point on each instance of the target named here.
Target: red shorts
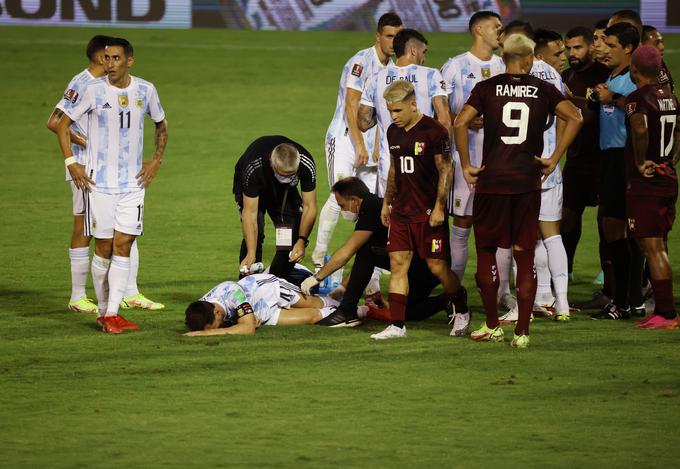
(650, 216)
(428, 242)
(505, 220)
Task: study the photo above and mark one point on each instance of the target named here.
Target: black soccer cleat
(612, 312)
(340, 319)
(639, 311)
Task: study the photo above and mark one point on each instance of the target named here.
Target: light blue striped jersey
(612, 119)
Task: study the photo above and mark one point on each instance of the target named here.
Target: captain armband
(244, 309)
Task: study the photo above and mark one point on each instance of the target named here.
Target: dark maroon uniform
(665, 77)
(515, 109)
(416, 177)
(651, 201)
(582, 170)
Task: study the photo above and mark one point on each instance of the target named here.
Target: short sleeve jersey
(612, 119)
(115, 133)
(547, 73)
(461, 73)
(586, 144)
(665, 77)
(369, 220)
(515, 109)
(661, 108)
(428, 83)
(361, 66)
(254, 177)
(73, 92)
(415, 171)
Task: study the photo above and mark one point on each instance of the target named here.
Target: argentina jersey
(547, 73)
(461, 74)
(115, 134)
(612, 119)
(74, 91)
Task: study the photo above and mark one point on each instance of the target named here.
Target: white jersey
(428, 83)
(357, 69)
(547, 73)
(74, 90)
(115, 130)
(461, 74)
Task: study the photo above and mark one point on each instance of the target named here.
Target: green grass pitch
(584, 394)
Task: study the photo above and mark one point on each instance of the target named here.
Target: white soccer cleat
(507, 301)
(391, 332)
(461, 325)
(510, 317)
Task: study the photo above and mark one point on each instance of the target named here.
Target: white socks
(504, 263)
(100, 270)
(118, 278)
(557, 263)
(459, 250)
(132, 289)
(374, 284)
(543, 289)
(328, 218)
(80, 266)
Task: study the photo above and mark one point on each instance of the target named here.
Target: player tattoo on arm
(389, 195)
(160, 139)
(443, 163)
(441, 109)
(367, 117)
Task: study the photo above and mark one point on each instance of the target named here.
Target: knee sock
(663, 294)
(374, 284)
(398, 304)
(118, 277)
(557, 263)
(504, 264)
(487, 281)
(637, 266)
(328, 218)
(100, 271)
(620, 254)
(526, 289)
(80, 266)
(459, 250)
(543, 289)
(132, 288)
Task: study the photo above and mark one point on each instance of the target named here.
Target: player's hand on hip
(307, 284)
(362, 156)
(548, 165)
(647, 168)
(80, 177)
(477, 123)
(437, 216)
(471, 174)
(298, 252)
(147, 173)
(385, 215)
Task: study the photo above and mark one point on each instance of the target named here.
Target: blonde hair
(286, 157)
(518, 46)
(400, 90)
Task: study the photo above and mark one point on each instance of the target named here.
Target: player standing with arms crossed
(115, 176)
(507, 198)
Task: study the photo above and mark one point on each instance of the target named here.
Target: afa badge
(123, 100)
(140, 103)
(419, 148)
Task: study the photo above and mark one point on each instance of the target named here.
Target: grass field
(585, 394)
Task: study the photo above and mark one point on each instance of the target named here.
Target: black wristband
(304, 238)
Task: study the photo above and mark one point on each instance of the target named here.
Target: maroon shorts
(428, 242)
(505, 220)
(650, 216)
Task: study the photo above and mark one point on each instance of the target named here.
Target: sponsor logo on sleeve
(419, 148)
(630, 108)
(71, 95)
(357, 70)
(446, 147)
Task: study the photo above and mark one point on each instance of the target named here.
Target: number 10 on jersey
(407, 164)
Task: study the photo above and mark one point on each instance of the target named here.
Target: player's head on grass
(517, 27)
(349, 193)
(631, 17)
(285, 160)
(598, 40)
(549, 48)
(645, 64)
(202, 315)
(95, 49)
(119, 57)
(652, 37)
(518, 53)
(410, 46)
(621, 40)
(400, 97)
(486, 28)
(389, 25)
(579, 45)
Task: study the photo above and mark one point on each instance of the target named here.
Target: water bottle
(325, 285)
(336, 278)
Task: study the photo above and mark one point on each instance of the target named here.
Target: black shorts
(581, 186)
(613, 184)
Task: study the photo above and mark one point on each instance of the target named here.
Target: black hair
(543, 36)
(647, 31)
(626, 33)
(403, 37)
(581, 31)
(601, 24)
(521, 27)
(124, 43)
(350, 186)
(96, 44)
(630, 16)
(481, 16)
(389, 19)
(198, 314)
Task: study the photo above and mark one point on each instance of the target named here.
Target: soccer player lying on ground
(652, 150)
(239, 308)
(515, 107)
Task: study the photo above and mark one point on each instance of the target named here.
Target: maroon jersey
(415, 172)
(665, 77)
(585, 149)
(661, 107)
(515, 110)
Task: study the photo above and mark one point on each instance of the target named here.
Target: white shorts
(551, 204)
(289, 294)
(462, 195)
(78, 199)
(340, 159)
(121, 212)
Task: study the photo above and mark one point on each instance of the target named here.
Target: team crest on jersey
(419, 148)
(357, 70)
(71, 95)
(446, 147)
(436, 246)
(123, 100)
(140, 103)
(457, 202)
(486, 72)
(630, 108)
(631, 224)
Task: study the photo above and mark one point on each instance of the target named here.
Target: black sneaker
(611, 311)
(599, 300)
(639, 311)
(340, 319)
